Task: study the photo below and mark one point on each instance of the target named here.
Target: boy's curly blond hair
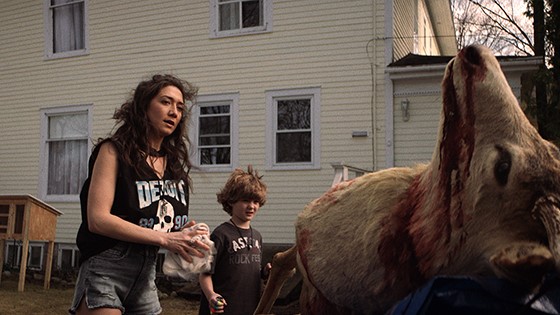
(242, 185)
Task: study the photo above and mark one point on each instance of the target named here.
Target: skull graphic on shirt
(165, 214)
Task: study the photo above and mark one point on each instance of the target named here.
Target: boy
(233, 286)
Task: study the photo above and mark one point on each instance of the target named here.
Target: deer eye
(502, 166)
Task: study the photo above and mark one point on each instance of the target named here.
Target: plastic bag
(480, 296)
(175, 266)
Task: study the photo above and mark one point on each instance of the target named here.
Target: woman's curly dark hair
(133, 127)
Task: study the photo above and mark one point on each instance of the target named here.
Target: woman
(137, 189)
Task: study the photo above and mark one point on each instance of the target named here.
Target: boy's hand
(217, 304)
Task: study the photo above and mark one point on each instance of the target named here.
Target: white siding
(413, 30)
(415, 139)
(427, 40)
(313, 43)
(338, 46)
(405, 16)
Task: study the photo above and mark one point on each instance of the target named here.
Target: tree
(523, 28)
(552, 24)
(546, 17)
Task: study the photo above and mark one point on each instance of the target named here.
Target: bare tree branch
(493, 23)
(503, 20)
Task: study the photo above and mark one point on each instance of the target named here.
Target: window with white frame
(215, 127)
(293, 132)
(66, 31)
(13, 256)
(68, 256)
(35, 257)
(239, 17)
(65, 147)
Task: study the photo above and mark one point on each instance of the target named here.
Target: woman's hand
(187, 242)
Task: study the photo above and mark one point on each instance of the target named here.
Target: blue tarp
(480, 296)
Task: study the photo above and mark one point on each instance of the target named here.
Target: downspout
(389, 128)
(373, 67)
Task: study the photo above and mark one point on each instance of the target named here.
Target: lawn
(56, 300)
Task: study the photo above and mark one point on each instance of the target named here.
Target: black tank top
(148, 201)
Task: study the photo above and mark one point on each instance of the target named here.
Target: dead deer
(487, 204)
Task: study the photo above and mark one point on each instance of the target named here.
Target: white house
(67, 64)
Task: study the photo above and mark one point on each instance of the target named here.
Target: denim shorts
(121, 277)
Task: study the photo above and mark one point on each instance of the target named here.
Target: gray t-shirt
(236, 271)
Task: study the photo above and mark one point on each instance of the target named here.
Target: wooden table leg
(23, 265)
(48, 267)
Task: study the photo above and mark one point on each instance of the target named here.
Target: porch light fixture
(404, 108)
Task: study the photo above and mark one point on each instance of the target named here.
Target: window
(239, 17)
(6, 217)
(14, 255)
(68, 257)
(66, 32)
(35, 257)
(65, 147)
(293, 135)
(215, 125)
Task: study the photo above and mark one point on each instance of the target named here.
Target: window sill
(67, 54)
(294, 166)
(223, 34)
(212, 169)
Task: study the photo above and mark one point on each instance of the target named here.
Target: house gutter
(415, 71)
(423, 71)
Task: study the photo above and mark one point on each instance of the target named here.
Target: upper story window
(215, 128)
(239, 17)
(64, 152)
(293, 132)
(66, 32)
